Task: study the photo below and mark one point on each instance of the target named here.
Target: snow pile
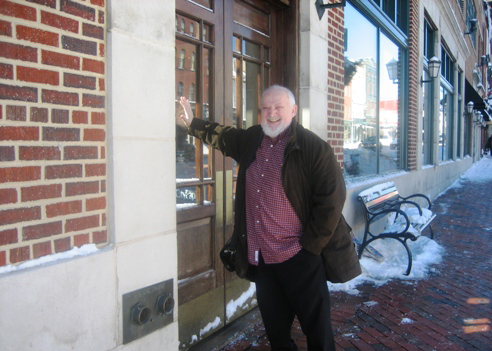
(233, 305)
(397, 224)
(377, 191)
(479, 172)
(425, 252)
(415, 216)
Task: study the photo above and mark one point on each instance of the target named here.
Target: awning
(478, 101)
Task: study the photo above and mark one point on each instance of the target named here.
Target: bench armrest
(378, 215)
(419, 195)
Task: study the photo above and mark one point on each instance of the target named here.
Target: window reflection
(389, 107)
(249, 78)
(426, 121)
(371, 106)
(428, 118)
(445, 124)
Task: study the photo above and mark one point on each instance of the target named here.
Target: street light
(484, 60)
(392, 67)
(321, 7)
(478, 118)
(469, 107)
(472, 26)
(434, 66)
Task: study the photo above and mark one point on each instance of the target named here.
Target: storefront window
(372, 106)
(427, 96)
(460, 116)
(445, 124)
(446, 107)
(467, 135)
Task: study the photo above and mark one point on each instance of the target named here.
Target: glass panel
(182, 59)
(389, 107)
(443, 124)
(236, 102)
(267, 55)
(252, 49)
(207, 162)
(389, 8)
(187, 195)
(460, 117)
(426, 121)
(251, 93)
(450, 125)
(236, 44)
(207, 33)
(236, 91)
(208, 195)
(193, 61)
(207, 84)
(266, 78)
(360, 105)
(191, 28)
(186, 81)
(467, 138)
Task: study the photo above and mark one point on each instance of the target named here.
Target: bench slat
(380, 199)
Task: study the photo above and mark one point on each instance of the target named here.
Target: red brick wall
(335, 80)
(52, 127)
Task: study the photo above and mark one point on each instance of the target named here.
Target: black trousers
(296, 287)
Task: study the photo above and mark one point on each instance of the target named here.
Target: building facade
(111, 217)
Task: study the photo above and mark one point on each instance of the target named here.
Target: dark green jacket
(313, 182)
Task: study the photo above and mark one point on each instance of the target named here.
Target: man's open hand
(188, 112)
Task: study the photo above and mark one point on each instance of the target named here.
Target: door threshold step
(229, 333)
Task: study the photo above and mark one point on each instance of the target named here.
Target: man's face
(277, 112)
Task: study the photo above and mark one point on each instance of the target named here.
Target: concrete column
(313, 90)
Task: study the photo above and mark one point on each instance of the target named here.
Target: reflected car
(385, 140)
(393, 144)
(370, 143)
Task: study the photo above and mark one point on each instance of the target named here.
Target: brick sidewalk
(449, 310)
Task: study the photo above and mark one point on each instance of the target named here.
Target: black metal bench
(383, 200)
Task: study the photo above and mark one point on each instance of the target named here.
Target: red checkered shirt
(272, 224)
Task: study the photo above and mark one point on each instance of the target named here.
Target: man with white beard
(289, 233)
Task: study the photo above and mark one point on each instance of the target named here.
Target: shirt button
(262, 175)
(266, 160)
(258, 190)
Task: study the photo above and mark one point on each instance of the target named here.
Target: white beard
(273, 133)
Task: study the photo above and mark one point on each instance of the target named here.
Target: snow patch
(406, 321)
(76, 251)
(425, 252)
(233, 305)
(479, 172)
(210, 326)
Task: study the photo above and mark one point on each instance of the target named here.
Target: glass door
(223, 63)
